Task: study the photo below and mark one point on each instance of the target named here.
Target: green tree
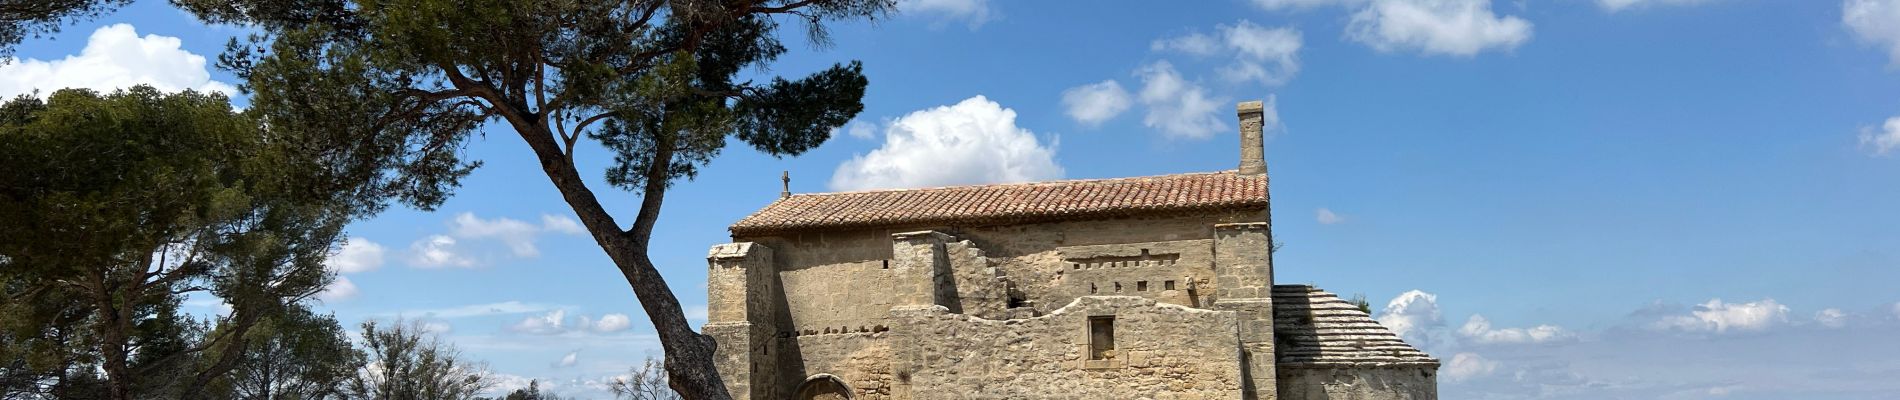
(296, 355)
(20, 19)
(658, 83)
(408, 362)
(115, 207)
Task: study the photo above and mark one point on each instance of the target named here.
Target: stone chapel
(1157, 287)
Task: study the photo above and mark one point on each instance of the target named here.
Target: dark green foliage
(294, 355)
(20, 19)
(658, 83)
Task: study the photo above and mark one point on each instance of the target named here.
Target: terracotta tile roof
(1315, 329)
(1009, 203)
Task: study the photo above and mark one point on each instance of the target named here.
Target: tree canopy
(658, 83)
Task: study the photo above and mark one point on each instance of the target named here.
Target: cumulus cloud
(611, 323)
(1269, 56)
(517, 235)
(1620, 5)
(556, 322)
(1718, 317)
(1465, 366)
(569, 360)
(338, 290)
(545, 324)
(438, 251)
(115, 57)
(1876, 22)
(1882, 141)
(856, 129)
(974, 141)
(561, 224)
(1094, 103)
(357, 255)
(1327, 217)
(1176, 106)
(1411, 312)
(1440, 27)
(1479, 330)
(972, 12)
(1831, 318)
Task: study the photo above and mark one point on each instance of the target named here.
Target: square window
(1169, 285)
(1141, 286)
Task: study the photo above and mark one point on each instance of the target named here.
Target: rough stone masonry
(1155, 287)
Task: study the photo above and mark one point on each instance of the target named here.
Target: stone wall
(1362, 383)
(1161, 351)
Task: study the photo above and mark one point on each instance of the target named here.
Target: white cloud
(1876, 22)
(1478, 329)
(696, 312)
(115, 57)
(437, 251)
(973, 12)
(1883, 140)
(1620, 5)
(1896, 310)
(1177, 107)
(338, 290)
(1719, 317)
(476, 310)
(357, 255)
(1277, 5)
(974, 141)
(515, 235)
(569, 360)
(561, 224)
(857, 129)
(1468, 365)
(518, 235)
(437, 327)
(1193, 43)
(1831, 318)
(546, 324)
(1094, 103)
(555, 322)
(1448, 27)
(611, 323)
(1327, 217)
(1265, 55)
(1411, 312)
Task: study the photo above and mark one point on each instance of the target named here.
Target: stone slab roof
(1316, 329)
(1009, 203)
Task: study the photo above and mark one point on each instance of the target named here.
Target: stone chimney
(1253, 157)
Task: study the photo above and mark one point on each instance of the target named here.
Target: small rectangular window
(1102, 338)
(1141, 286)
(1169, 285)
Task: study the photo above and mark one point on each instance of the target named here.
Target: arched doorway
(823, 387)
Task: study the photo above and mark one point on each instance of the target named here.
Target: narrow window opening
(1141, 286)
(1091, 288)
(887, 264)
(1169, 285)
(1102, 338)
(1118, 287)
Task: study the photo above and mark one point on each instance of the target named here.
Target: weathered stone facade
(1156, 287)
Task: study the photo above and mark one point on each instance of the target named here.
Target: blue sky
(1560, 199)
